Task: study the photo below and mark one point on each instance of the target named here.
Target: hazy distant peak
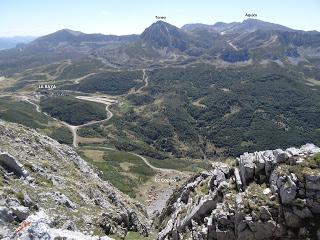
(256, 24)
(193, 26)
(72, 32)
(11, 42)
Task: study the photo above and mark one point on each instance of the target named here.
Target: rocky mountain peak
(164, 35)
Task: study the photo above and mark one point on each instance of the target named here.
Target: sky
(119, 17)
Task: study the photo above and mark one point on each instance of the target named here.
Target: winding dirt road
(107, 101)
(167, 170)
(155, 193)
(74, 128)
(145, 78)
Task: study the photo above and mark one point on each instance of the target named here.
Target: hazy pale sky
(40, 17)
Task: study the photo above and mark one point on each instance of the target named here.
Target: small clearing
(198, 104)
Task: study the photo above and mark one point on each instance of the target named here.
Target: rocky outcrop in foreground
(271, 194)
(48, 192)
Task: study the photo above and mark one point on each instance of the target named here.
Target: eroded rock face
(50, 185)
(270, 194)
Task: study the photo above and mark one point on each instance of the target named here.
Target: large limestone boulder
(247, 166)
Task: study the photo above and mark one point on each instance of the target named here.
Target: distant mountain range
(11, 42)
(250, 40)
(65, 38)
(248, 25)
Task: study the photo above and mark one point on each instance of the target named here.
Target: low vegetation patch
(21, 112)
(309, 166)
(181, 164)
(62, 135)
(127, 178)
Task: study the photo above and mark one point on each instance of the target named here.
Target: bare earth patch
(225, 89)
(96, 155)
(198, 104)
(313, 82)
(89, 140)
(233, 110)
(125, 166)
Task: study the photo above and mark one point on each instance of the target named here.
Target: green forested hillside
(72, 110)
(203, 110)
(22, 113)
(115, 83)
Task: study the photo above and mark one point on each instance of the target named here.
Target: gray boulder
(264, 230)
(238, 179)
(247, 166)
(216, 179)
(63, 200)
(11, 164)
(302, 213)
(288, 191)
(313, 182)
(309, 149)
(265, 215)
(20, 212)
(6, 214)
(270, 160)
(292, 220)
